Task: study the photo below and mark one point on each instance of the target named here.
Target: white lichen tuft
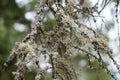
(26, 47)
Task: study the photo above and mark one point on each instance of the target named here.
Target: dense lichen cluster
(68, 37)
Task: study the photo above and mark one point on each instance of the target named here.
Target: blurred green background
(13, 27)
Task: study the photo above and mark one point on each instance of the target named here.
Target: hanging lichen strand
(117, 20)
(68, 37)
